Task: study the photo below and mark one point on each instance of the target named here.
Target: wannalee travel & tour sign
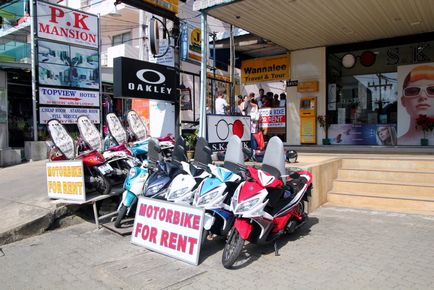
(66, 25)
(140, 79)
(267, 69)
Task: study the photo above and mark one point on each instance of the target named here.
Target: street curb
(37, 226)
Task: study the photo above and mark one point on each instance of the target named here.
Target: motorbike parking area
(339, 248)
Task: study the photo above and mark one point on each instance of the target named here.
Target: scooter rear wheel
(121, 214)
(103, 186)
(232, 249)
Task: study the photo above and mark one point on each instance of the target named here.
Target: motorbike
(95, 167)
(269, 204)
(119, 157)
(215, 192)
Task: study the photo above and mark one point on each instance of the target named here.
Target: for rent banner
(65, 180)
(168, 228)
(272, 120)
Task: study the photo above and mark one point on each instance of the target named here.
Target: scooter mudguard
(139, 149)
(129, 199)
(208, 221)
(243, 227)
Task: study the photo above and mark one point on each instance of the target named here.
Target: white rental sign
(168, 228)
(65, 180)
(55, 96)
(221, 127)
(67, 25)
(67, 115)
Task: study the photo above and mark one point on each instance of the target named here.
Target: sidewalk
(24, 206)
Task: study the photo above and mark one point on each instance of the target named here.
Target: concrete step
(414, 191)
(381, 203)
(408, 164)
(425, 178)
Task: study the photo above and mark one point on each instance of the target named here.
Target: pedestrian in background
(220, 104)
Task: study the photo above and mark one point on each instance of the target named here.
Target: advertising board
(65, 180)
(67, 115)
(221, 127)
(67, 97)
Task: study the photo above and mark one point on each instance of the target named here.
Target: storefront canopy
(300, 24)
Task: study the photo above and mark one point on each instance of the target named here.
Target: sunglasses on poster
(223, 129)
(414, 92)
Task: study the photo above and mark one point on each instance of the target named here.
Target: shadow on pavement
(253, 252)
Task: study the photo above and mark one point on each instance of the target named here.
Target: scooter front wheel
(232, 249)
(121, 214)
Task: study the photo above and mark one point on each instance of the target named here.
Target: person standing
(260, 99)
(220, 104)
(282, 102)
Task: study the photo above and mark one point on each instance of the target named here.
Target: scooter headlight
(153, 190)
(247, 205)
(178, 193)
(207, 197)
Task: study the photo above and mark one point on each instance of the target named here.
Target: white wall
(306, 65)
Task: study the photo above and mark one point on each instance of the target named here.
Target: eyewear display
(416, 91)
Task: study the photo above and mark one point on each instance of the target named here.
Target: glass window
(121, 38)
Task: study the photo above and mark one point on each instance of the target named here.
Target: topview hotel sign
(66, 25)
(265, 69)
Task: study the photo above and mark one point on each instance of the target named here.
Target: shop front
(376, 91)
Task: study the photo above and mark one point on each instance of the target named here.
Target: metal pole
(33, 57)
(232, 72)
(141, 34)
(101, 113)
(204, 49)
(214, 63)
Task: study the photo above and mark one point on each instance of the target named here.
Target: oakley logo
(141, 76)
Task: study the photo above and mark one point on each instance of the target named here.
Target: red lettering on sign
(164, 237)
(176, 217)
(187, 220)
(145, 232)
(138, 229)
(196, 221)
(182, 243)
(192, 242)
(162, 214)
(152, 235)
(79, 20)
(169, 216)
(156, 209)
(56, 12)
(172, 240)
(142, 210)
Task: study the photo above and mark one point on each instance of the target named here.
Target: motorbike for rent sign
(66, 25)
(221, 127)
(168, 228)
(272, 120)
(67, 115)
(67, 97)
(65, 180)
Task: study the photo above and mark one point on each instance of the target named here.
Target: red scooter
(95, 167)
(268, 204)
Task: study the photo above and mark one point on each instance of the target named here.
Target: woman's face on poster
(383, 133)
(418, 98)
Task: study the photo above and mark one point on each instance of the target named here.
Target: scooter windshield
(61, 138)
(137, 125)
(89, 133)
(116, 130)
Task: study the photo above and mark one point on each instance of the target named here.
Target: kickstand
(276, 250)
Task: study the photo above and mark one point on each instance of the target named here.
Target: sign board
(363, 134)
(140, 79)
(292, 83)
(67, 115)
(169, 5)
(204, 4)
(221, 127)
(65, 180)
(67, 97)
(168, 228)
(266, 69)
(308, 86)
(60, 23)
(167, 59)
(273, 120)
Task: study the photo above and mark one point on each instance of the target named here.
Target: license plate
(104, 169)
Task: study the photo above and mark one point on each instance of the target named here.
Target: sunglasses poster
(415, 99)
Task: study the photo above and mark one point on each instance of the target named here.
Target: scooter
(118, 135)
(265, 206)
(215, 192)
(119, 157)
(95, 168)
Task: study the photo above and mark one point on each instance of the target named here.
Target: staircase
(398, 184)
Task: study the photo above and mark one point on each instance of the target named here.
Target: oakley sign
(140, 79)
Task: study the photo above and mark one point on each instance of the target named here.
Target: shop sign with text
(273, 120)
(141, 79)
(221, 127)
(66, 25)
(65, 180)
(67, 115)
(168, 228)
(66, 97)
(267, 69)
